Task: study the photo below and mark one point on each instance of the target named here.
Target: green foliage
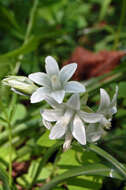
(29, 31)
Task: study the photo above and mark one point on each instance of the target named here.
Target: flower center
(55, 82)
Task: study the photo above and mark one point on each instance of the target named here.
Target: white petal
(74, 87)
(114, 100)
(61, 126)
(67, 72)
(39, 94)
(58, 130)
(52, 115)
(40, 78)
(58, 95)
(17, 92)
(51, 66)
(104, 100)
(74, 101)
(78, 130)
(113, 110)
(93, 132)
(47, 124)
(52, 102)
(90, 117)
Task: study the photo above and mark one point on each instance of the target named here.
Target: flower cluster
(65, 120)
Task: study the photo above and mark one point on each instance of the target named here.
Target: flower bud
(20, 85)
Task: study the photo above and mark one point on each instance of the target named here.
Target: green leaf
(73, 158)
(45, 141)
(28, 47)
(121, 113)
(105, 4)
(89, 169)
(20, 113)
(43, 161)
(119, 166)
(43, 175)
(85, 183)
(4, 153)
(9, 16)
(4, 179)
(122, 89)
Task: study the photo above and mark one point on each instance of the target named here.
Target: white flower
(107, 108)
(70, 120)
(55, 82)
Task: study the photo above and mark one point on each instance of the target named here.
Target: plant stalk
(122, 18)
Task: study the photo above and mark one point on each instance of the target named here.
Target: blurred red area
(94, 64)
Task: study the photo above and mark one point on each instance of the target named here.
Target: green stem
(120, 167)
(31, 20)
(122, 17)
(28, 32)
(10, 154)
(104, 82)
(10, 142)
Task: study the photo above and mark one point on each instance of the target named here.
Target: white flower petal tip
(51, 65)
(35, 98)
(67, 72)
(105, 96)
(104, 100)
(40, 78)
(74, 87)
(39, 95)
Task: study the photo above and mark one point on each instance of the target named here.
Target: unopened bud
(19, 84)
(106, 123)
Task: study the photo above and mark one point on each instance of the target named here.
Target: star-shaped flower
(55, 82)
(70, 120)
(107, 108)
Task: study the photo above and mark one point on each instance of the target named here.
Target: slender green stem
(122, 18)
(10, 142)
(104, 82)
(31, 20)
(28, 32)
(120, 167)
(10, 154)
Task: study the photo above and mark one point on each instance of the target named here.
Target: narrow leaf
(120, 167)
(91, 169)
